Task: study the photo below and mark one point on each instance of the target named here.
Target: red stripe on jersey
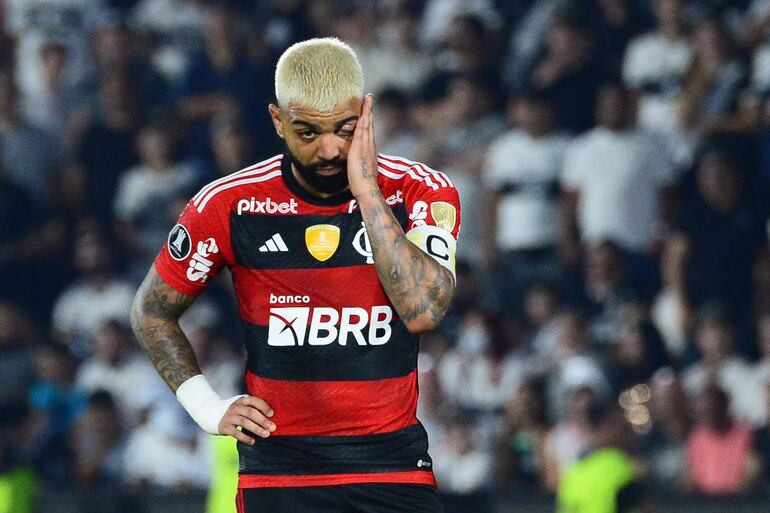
(248, 171)
(269, 481)
(255, 287)
(338, 408)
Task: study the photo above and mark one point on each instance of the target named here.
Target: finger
(255, 416)
(253, 427)
(238, 435)
(258, 403)
(367, 115)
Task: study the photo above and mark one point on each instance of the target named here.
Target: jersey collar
(294, 186)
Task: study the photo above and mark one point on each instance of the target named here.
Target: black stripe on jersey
(250, 234)
(305, 455)
(332, 362)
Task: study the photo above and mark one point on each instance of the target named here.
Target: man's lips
(328, 170)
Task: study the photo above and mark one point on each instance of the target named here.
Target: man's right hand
(250, 413)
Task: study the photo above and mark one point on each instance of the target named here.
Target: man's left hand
(362, 157)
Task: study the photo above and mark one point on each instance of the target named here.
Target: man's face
(318, 142)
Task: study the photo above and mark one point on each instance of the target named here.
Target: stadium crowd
(613, 161)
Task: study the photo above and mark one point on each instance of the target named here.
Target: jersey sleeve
(433, 224)
(193, 253)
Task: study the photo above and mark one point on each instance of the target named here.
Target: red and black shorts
(350, 498)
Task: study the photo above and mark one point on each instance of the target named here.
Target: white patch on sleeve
(437, 243)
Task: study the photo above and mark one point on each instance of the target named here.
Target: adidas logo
(273, 244)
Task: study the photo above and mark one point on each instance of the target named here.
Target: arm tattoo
(155, 321)
(418, 286)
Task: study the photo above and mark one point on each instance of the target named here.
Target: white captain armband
(436, 242)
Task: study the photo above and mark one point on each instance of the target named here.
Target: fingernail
(270, 413)
(271, 426)
(265, 433)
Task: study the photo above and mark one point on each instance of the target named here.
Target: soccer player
(340, 258)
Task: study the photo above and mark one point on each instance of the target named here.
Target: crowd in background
(613, 162)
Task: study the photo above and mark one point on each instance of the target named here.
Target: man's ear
(275, 116)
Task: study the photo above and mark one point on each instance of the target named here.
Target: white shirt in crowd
(526, 171)
(734, 376)
(140, 187)
(618, 177)
(134, 384)
(461, 472)
(84, 307)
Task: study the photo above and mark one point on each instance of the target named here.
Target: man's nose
(329, 146)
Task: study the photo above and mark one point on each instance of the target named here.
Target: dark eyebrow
(344, 122)
(311, 126)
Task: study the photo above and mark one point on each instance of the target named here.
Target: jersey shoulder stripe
(400, 167)
(255, 177)
(257, 168)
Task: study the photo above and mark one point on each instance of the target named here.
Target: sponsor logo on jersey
(419, 213)
(362, 245)
(274, 244)
(322, 240)
(253, 206)
(288, 299)
(200, 265)
(179, 243)
(321, 326)
(444, 214)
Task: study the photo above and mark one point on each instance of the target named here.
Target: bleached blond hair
(319, 74)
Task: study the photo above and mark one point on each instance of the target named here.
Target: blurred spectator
(720, 456)
(719, 364)
(541, 308)
(55, 106)
(107, 146)
(670, 310)
(28, 155)
(520, 446)
(56, 405)
(468, 47)
(724, 226)
(394, 134)
(464, 467)
(655, 66)
(608, 288)
(710, 101)
(177, 27)
(469, 122)
(142, 227)
(521, 175)
(570, 437)
(569, 69)
(223, 81)
(481, 372)
(756, 395)
(118, 368)
(18, 479)
(638, 353)
(168, 452)
(36, 23)
(605, 478)
(117, 50)
(397, 48)
(617, 181)
(439, 15)
(232, 147)
(97, 442)
(98, 296)
(666, 443)
(17, 367)
(221, 365)
(577, 364)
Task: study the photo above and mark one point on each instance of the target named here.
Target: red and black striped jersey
(325, 347)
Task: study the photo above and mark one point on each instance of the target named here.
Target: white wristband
(204, 405)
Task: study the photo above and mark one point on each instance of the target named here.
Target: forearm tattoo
(419, 288)
(155, 321)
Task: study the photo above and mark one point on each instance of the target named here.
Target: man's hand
(362, 157)
(250, 413)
